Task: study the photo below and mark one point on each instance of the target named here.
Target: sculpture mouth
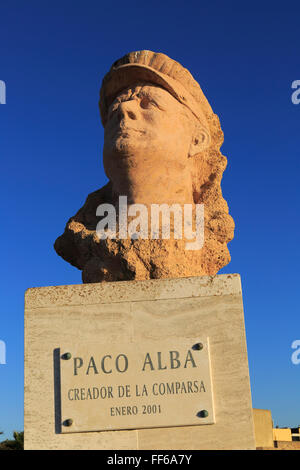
(128, 131)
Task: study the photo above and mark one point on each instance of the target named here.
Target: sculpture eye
(146, 102)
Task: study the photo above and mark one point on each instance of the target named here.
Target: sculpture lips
(125, 131)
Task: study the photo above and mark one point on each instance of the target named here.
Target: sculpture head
(156, 119)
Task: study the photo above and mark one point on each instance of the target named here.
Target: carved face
(146, 124)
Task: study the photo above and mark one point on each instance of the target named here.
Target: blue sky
(245, 55)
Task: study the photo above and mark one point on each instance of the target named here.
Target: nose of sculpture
(127, 109)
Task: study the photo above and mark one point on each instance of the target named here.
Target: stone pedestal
(137, 312)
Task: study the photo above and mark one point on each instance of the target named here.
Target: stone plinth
(136, 312)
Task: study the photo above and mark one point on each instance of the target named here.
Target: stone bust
(161, 146)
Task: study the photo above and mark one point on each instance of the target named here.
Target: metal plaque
(147, 384)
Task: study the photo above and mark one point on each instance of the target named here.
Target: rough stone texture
(161, 145)
(283, 445)
(155, 310)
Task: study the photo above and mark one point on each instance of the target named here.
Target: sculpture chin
(117, 150)
(118, 157)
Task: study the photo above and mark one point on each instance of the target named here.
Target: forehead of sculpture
(139, 90)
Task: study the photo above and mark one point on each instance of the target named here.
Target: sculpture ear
(200, 141)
